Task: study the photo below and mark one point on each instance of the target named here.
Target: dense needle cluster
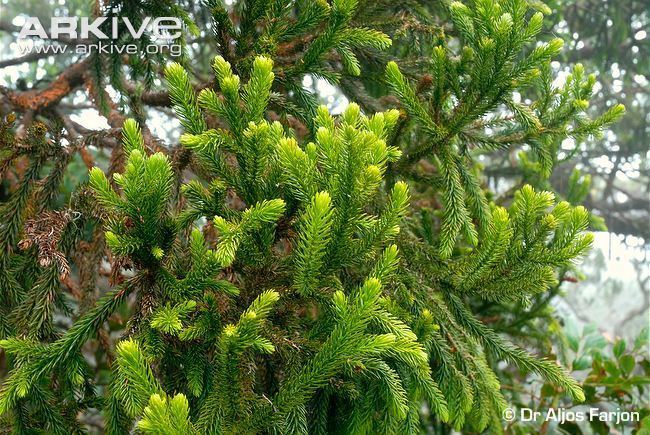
(317, 279)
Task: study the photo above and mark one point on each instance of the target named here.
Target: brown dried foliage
(45, 231)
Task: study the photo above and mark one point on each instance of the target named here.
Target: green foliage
(182, 96)
(349, 346)
(138, 225)
(294, 271)
(167, 319)
(166, 416)
(524, 244)
(134, 382)
(469, 82)
(316, 235)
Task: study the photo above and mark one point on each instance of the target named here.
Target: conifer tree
(286, 270)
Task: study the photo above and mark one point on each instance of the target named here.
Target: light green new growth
(164, 416)
(315, 235)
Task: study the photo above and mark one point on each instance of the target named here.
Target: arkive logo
(102, 35)
(164, 28)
